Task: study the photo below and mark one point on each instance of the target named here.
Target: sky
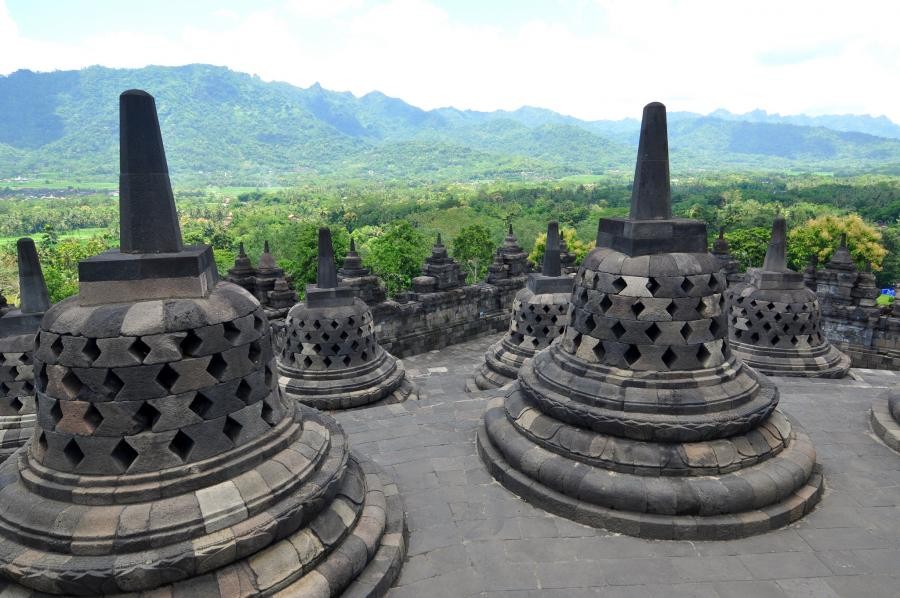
(593, 59)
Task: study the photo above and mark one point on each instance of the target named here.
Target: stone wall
(426, 321)
(869, 337)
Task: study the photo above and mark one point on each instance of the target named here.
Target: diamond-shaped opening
(307, 337)
(139, 349)
(16, 404)
(72, 385)
(354, 345)
(653, 332)
(788, 308)
(217, 366)
(317, 348)
(254, 352)
(753, 303)
(351, 321)
(92, 417)
(605, 303)
(619, 284)
(259, 323)
(124, 455)
(307, 361)
(232, 428)
(243, 391)
(269, 377)
(344, 335)
(181, 445)
(759, 315)
(738, 333)
(28, 387)
(335, 349)
(545, 330)
(770, 306)
(703, 354)
(652, 286)
(327, 361)
(775, 340)
(90, 349)
(686, 331)
(529, 329)
(754, 337)
(42, 442)
(57, 347)
(671, 308)
(583, 296)
(359, 332)
(190, 344)
(668, 357)
(595, 280)
(364, 356)
(589, 323)
(794, 340)
(777, 317)
(317, 324)
(538, 319)
(325, 336)
(546, 308)
(535, 342)
(167, 376)
(576, 340)
(73, 453)
(4, 389)
(632, 354)
(268, 414)
(714, 327)
(767, 327)
(335, 324)
(785, 328)
(618, 330)
(687, 285)
(637, 308)
(802, 328)
(599, 351)
(554, 319)
(347, 361)
(231, 331)
(201, 404)
(713, 282)
(56, 413)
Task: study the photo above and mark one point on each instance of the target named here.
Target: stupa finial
(776, 255)
(651, 195)
(32, 288)
(148, 222)
(551, 265)
(326, 276)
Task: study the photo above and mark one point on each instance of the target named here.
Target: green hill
(232, 128)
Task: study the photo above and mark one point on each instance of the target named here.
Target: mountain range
(226, 127)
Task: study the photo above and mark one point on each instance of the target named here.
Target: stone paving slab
(469, 536)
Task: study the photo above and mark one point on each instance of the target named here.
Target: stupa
(510, 260)
(18, 328)
(268, 283)
(440, 272)
(328, 356)
(360, 279)
(722, 252)
(540, 313)
(775, 320)
(885, 417)
(165, 460)
(640, 419)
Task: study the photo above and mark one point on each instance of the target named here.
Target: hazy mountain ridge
(215, 120)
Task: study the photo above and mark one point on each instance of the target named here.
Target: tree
(299, 257)
(890, 267)
(576, 246)
(474, 249)
(822, 236)
(748, 245)
(397, 255)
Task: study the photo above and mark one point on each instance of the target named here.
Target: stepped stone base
(500, 367)
(883, 423)
(719, 489)
(824, 361)
(351, 538)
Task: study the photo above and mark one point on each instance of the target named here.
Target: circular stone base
(646, 525)
(396, 388)
(487, 379)
(828, 363)
(884, 425)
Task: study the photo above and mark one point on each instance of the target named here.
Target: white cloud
(699, 55)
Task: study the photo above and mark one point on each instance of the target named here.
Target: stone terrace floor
(469, 536)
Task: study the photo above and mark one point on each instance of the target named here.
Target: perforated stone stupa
(641, 420)
(775, 321)
(165, 460)
(328, 356)
(267, 283)
(885, 419)
(510, 260)
(540, 313)
(722, 251)
(18, 328)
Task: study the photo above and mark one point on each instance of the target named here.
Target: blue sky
(587, 58)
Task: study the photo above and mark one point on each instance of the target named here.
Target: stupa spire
(651, 195)
(32, 288)
(148, 222)
(326, 275)
(551, 265)
(776, 256)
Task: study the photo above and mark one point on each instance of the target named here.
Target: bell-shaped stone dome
(641, 419)
(775, 321)
(165, 457)
(540, 313)
(328, 356)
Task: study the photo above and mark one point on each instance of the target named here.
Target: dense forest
(395, 224)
